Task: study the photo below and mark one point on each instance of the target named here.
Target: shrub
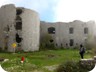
(72, 66)
(45, 43)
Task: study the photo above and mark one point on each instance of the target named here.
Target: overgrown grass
(37, 60)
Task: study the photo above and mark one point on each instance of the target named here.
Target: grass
(38, 60)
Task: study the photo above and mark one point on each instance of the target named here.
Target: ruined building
(70, 34)
(23, 27)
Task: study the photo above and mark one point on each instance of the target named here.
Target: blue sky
(59, 10)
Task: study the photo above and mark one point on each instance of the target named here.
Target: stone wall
(7, 20)
(91, 61)
(30, 30)
(62, 36)
(27, 28)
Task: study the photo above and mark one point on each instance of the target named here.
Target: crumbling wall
(7, 20)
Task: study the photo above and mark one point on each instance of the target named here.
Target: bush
(72, 66)
(45, 42)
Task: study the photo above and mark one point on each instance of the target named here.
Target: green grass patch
(37, 60)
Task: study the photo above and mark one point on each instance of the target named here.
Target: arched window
(85, 30)
(51, 41)
(51, 30)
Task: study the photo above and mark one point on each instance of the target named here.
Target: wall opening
(18, 25)
(18, 38)
(71, 30)
(51, 30)
(51, 41)
(18, 11)
(66, 44)
(71, 42)
(85, 30)
(56, 44)
(6, 43)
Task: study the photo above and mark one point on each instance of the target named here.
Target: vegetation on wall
(45, 42)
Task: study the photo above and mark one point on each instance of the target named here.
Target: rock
(94, 57)
(1, 59)
(6, 60)
(51, 68)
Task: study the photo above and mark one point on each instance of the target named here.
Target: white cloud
(64, 10)
(38, 5)
(3, 2)
(69, 10)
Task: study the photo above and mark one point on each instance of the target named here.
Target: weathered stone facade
(70, 34)
(23, 27)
